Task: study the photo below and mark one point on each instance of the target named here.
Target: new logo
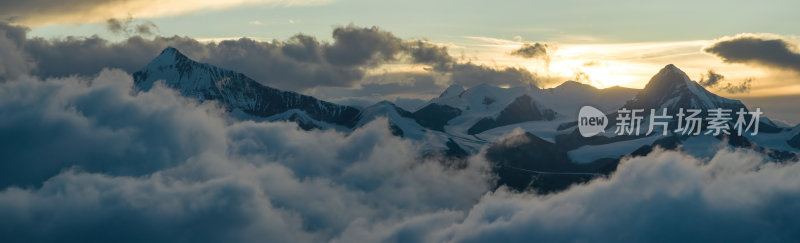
(591, 121)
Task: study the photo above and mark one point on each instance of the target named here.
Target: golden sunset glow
(627, 64)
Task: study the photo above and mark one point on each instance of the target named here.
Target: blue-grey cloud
(386, 86)
(470, 74)
(152, 166)
(296, 64)
(752, 49)
(300, 63)
(741, 87)
(14, 61)
(714, 80)
(131, 27)
(90, 160)
(535, 50)
(85, 159)
(666, 196)
(53, 125)
(710, 79)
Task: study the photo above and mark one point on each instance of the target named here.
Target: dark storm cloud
(299, 63)
(400, 83)
(387, 86)
(431, 54)
(115, 26)
(296, 64)
(714, 80)
(710, 79)
(13, 60)
(742, 87)
(355, 46)
(131, 27)
(535, 50)
(470, 74)
(87, 56)
(751, 49)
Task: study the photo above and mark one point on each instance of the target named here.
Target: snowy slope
(589, 153)
(234, 90)
(451, 119)
(403, 124)
(397, 117)
(485, 107)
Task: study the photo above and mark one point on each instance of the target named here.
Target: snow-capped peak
(668, 78)
(168, 56)
(203, 81)
(453, 90)
(171, 52)
(671, 88)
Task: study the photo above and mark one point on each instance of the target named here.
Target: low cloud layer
(758, 50)
(90, 152)
(668, 196)
(90, 160)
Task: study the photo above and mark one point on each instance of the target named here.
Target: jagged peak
(481, 88)
(181, 72)
(453, 90)
(170, 50)
(672, 88)
(384, 103)
(670, 74)
(668, 79)
(170, 55)
(384, 106)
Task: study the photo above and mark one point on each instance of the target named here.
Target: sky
(87, 157)
(603, 44)
(629, 39)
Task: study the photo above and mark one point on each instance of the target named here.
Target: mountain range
(529, 134)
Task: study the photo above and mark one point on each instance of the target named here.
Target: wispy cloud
(41, 12)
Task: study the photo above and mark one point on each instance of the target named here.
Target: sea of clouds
(93, 160)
